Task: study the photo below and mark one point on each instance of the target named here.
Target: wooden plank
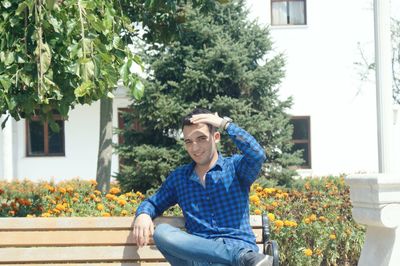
(90, 223)
(78, 254)
(96, 264)
(75, 238)
(75, 223)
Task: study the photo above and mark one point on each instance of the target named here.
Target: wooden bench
(71, 241)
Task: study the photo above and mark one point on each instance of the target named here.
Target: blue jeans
(183, 249)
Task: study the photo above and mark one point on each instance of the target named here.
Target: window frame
(304, 141)
(287, 13)
(45, 125)
(121, 125)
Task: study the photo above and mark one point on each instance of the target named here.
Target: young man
(213, 193)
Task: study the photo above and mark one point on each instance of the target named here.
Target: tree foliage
(222, 62)
(55, 54)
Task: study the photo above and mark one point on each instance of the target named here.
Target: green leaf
(5, 82)
(87, 69)
(138, 90)
(50, 4)
(125, 70)
(9, 58)
(83, 89)
(21, 8)
(54, 126)
(110, 95)
(45, 57)
(6, 3)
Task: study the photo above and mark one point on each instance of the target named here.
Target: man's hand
(143, 228)
(212, 119)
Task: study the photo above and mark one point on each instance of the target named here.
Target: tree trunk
(103, 175)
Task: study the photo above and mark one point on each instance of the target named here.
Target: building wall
(81, 147)
(325, 84)
(1, 152)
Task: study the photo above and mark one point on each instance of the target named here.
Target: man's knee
(162, 234)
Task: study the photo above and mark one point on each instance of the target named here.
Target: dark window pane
(300, 129)
(305, 153)
(36, 138)
(56, 139)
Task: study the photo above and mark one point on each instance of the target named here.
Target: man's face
(200, 143)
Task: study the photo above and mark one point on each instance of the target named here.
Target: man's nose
(195, 146)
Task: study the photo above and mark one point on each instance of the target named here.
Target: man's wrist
(225, 122)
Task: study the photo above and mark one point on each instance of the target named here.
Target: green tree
(55, 54)
(220, 61)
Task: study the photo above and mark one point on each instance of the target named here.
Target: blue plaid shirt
(221, 208)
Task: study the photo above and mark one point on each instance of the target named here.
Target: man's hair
(186, 119)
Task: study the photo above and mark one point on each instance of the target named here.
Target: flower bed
(312, 221)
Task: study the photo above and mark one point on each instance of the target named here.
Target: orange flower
(62, 190)
(115, 190)
(100, 207)
(313, 217)
(332, 236)
(322, 219)
(254, 199)
(271, 217)
(122, 202)
(257, 211)
(278, 223)
(308, 252)
(124, 212)
(106, 214)
(60, 207)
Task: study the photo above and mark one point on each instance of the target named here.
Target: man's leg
(181, 248)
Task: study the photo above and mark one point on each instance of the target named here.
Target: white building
(337, 110)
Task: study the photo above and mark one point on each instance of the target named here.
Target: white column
(376, 197)
(383, 63)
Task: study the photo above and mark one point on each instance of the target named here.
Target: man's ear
(217, 136)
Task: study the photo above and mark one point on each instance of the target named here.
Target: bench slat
(97, 264)
(80, 254)
(92, 223)
(74, 238)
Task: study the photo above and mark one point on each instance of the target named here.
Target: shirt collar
(217, 166)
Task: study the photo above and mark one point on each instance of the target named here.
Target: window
(292, 12)
(41, 140)
(301, 138)
(122, 123)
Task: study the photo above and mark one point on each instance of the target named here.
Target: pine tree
(220, 61)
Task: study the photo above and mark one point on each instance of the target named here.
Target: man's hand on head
(143, 228)
(211, 119)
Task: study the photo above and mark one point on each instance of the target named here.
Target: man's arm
(149, 209)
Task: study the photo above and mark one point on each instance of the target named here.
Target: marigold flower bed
(312, 221)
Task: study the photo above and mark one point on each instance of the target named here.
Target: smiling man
(213, 193)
